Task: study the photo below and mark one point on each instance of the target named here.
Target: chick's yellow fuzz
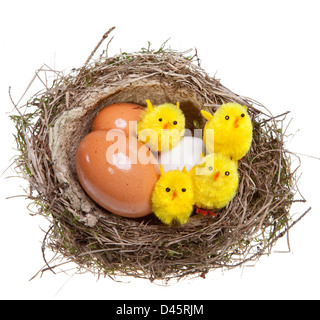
(161, 127)
(173, 197)
(215, 181)
(232, 131)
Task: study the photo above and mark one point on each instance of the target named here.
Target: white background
(267, 50)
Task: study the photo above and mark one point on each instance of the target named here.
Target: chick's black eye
(160, 119)
(168, 189)
(183, 189)
(210, 168)
(227, 117)
(242, 115)
(227, 173)
(175, 122)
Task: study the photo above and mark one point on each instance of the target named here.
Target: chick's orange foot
(204, 212)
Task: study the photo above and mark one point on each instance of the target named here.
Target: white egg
(186, 154)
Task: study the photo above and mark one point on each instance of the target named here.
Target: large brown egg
(118, 116)
(119, 174)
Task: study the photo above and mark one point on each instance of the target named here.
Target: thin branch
(105, 36)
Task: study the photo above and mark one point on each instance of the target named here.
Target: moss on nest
(51, 125)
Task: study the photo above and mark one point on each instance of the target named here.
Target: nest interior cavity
(53, 123)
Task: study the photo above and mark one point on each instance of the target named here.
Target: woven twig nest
(57, 119)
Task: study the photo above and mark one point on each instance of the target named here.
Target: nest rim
(112, 246)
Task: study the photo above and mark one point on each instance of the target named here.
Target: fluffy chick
(232, 131)
(173, 197)
(215, 181)
(161, 127)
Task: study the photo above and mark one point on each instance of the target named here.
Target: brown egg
(116, 174)
(117, 116)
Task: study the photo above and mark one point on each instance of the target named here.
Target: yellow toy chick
(215, 182)
(232, 131)
(173, 197)
(161, 127)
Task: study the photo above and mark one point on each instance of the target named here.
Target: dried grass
(50, 126)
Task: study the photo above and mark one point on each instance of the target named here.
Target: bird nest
(54, 121)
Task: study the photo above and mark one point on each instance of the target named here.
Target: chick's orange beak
(166, 125)
(236, 123)
(174, 195)
(216, 176)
